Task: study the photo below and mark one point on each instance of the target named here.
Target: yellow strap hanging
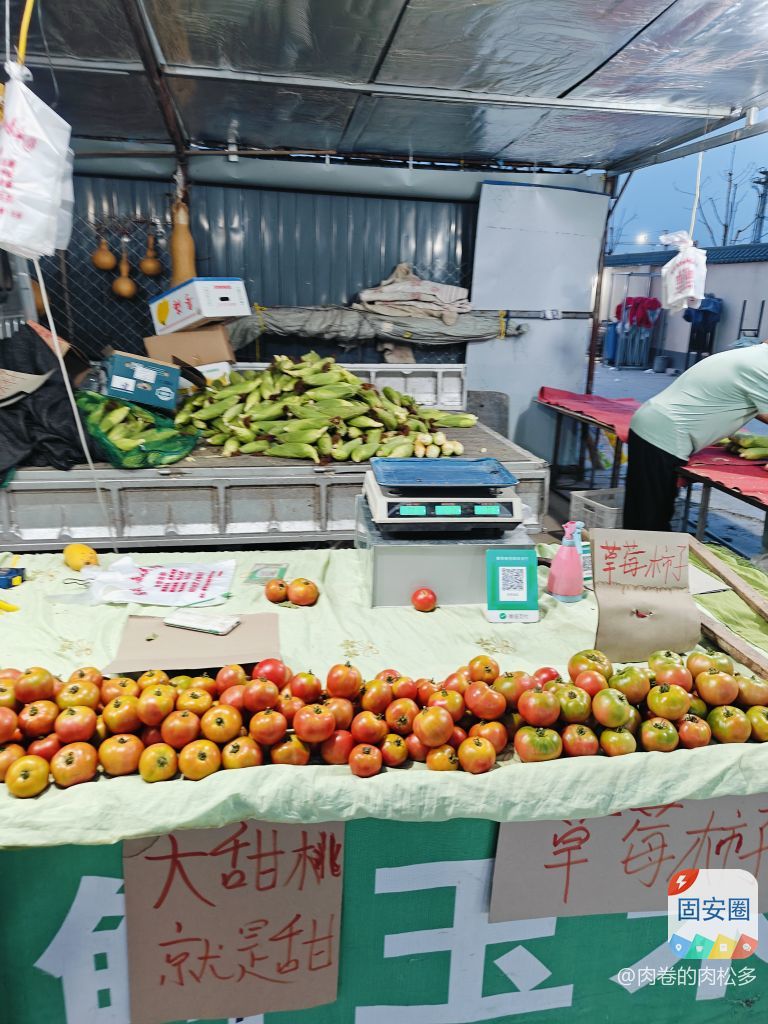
(24, 30)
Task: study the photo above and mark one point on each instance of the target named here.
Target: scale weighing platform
(441, 496)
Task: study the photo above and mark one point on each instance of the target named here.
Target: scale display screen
(449, 510)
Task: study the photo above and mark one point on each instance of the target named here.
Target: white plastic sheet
(683, 279)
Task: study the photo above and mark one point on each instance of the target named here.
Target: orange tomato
(290, 751)
(243, 752)
(119, 755)
(36, 719)
(8, 696)
(73, 764)
(442, 759)
(495, 732)
(34, 684)
(180, 728)
(158, 763)
(204, 683)
(199, 759)
(483, 669)
(121, 686)
(393, 750)
(221, 723)
(9, 752)
(276, 591)
(89, 674)
(122, 715)
(433, 726)
(83, 694)
(303, 592)
(153, 677)
(27, 776)
(9, 723)
(268, 727)
(196, 701)
(76, 724)
(155, 703)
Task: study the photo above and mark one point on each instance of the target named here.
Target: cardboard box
(200, 300)
(198, 348)
(141, 380)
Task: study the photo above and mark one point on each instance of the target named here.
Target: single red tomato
(674, 675)
(9, 723)
(365, 760)
(537, 744)
(545, 675)
(729, 725)
(8, 697)
(668, 701)
(180, 728)
(314, 723)
(221, 723)
(307, 687)
(589, 661)
(433, 726)
(485, 702)
(457, 737)
(425, 689)
(155, 703)
(658, 734)
(303, 592)
(393, 750)
(579, 741)
(494, 732)
(119, 755)
(403, 688)
(27, 776)
(87, 674)
(400, 714)
(343, 711)
(424, 599)
(538, 707)
(758, 720)
(36, 719)
(617, 742)
(75, 725)
(288, 705)
(158, 763)
(205, 683)
(698, 662)
(417, 751)
(276, 591)
(122, 715)
(476, 755)
(78, 695)
(483, 669)
(752, 691)
(230, 675)
(272, 669)
(241, 752)
(389, 675)
(149, 735)
(367, 727)
(268, 727)
(199, 759)
(452, 701)
(196, 701)
(10, 674)
(454, 682)
(591, 681)
(575, 704)
(512, 685)
(694, 731)
(153, 677)
(337, 748)
(290, 751)
(634, 682)
(122, 686)
(376, 696)
(45, 747)
(73, 764)
(10, 752)
(260, 694)
(442, 759)
(344, 681)
(233, 697)
(611, 708)
(34, 684)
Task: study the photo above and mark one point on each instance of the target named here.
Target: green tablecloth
(340, 627)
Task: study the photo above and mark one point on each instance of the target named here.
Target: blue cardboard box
(141, 380)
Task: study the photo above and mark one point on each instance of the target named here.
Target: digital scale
(441, 496)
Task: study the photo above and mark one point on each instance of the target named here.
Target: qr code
(512, 584)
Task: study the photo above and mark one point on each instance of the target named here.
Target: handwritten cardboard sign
(233, 922)
(623, 862)
(641, 586)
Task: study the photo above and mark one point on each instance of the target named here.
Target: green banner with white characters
(416, 945)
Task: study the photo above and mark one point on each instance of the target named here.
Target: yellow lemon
(163, 309)
(78, 555)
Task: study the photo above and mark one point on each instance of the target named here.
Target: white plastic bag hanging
(35, 173)
(684, 277)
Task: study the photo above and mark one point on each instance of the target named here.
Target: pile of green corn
(315, 409)
(749, 446)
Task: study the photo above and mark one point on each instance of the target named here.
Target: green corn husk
(293, 450)
(365, 452)
(254, 447)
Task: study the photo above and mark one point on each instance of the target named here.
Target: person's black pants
(651, 485)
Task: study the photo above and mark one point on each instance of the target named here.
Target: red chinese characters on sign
(565, 846)
(233, 921)
(659, 565)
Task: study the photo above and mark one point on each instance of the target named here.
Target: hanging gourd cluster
(124, 286)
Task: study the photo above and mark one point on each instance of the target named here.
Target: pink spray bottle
(566, 574)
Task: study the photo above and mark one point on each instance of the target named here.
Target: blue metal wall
(290, 248)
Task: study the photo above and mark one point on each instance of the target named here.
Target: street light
(642, 238)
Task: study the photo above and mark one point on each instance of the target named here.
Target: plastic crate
(601, 508)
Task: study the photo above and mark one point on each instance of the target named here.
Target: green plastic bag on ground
(132, 437)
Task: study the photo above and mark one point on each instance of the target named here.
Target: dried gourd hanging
(124, 286)
(102, 257)
(150, 265)
(182, 246)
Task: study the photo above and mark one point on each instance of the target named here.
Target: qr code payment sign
(713, 914)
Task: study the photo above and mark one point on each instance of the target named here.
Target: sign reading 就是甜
(233, 921)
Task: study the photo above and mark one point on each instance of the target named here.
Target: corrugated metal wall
(292, 249)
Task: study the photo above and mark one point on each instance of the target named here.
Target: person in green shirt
(713, 399)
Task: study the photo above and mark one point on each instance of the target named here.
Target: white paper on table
(178, 586)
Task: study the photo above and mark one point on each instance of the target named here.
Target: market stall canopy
(569, 83)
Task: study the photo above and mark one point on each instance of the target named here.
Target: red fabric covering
(637, 311)
(612, 413)
(730, 471)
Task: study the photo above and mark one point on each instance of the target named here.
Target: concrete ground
(735, 523)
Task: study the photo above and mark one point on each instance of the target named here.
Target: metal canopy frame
(671, 71)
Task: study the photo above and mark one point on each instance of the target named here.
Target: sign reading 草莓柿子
(622, 863)
(641, 586)
(233, 921)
